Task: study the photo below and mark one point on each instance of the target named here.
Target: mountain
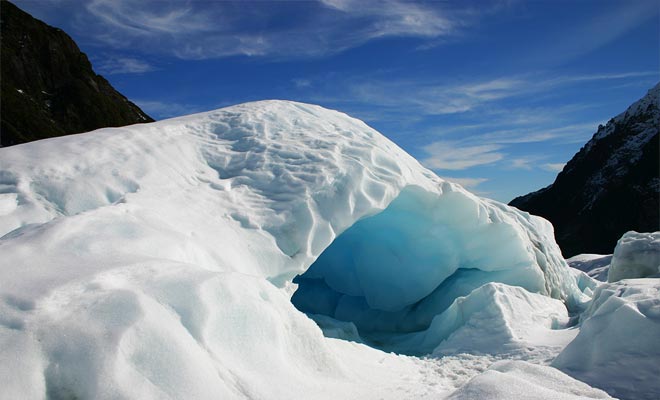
(609, 187)
(48, 85)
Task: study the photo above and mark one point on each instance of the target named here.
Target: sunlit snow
(159, 261)
(636, 255)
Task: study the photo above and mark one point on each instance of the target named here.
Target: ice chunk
(618, 347)
(493, 319)
(333, 328)
(596, 266)
(507, 380)
(636, 255)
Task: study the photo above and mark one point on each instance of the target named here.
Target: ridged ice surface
(156, 260)
(618, 348)
(636, 255)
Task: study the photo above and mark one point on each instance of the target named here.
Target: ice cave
(391, 273)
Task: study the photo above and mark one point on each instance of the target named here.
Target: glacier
(191, 257)
(636, 255)
(618, 346)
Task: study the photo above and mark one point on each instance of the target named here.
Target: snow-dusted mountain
(611, 186)
(157, 260)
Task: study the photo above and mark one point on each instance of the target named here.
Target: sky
(496, 95)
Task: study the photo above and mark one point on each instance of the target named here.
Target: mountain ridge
(609, 187)
(48, 85)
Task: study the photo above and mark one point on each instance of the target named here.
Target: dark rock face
(609, 187)
(48, 85)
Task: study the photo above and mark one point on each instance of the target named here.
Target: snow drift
(636, 255)
(157, 260)
(506, 380)
(618, 347)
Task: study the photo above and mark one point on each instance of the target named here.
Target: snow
(647, 103)
(640, 123)
(596, 266)
(502, 319)
(636, 255)
(395, 271)
(618, 347)
(157, 261)
(522, 380)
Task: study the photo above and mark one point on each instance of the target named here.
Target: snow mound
(521, 380)
(596, 266)
(156, 260)
(501, 319)
(618, 347)
(636, 255)
(493, 319)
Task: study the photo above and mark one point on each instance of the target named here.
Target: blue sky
(497, 95)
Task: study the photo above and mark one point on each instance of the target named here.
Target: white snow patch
(501, 319)
(596, 266)
(521, 380)
(618, 347)
(155, 261)
(636, 255)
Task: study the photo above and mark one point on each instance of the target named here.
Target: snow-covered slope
(156, 261)
(506, 380)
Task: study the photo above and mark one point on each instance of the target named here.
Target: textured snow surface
(507, 380)
(618, 347)
(494, 319)
(636, 255)
(156, 261)
(596, 266)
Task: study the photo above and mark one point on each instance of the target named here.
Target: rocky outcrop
(48, 85)
(609, 187)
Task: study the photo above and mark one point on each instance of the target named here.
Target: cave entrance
(387, 276)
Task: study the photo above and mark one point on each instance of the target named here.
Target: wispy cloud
(434, 98)
(163, 109)
(456, 156)
(468, 183)
(471, 123)
(395, 18)
(143, 18)
(302, 83)
(123, 65)
(440, 98)
(567, 134)
(202, 29)
(578, 40)
(523, 162)
(554, 167)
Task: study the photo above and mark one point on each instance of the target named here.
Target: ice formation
(506, 380)
(596, 266)
(156, 261)
(618, 347)
(636, 255)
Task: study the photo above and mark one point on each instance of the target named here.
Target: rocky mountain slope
(48, 85)
(609, 187)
